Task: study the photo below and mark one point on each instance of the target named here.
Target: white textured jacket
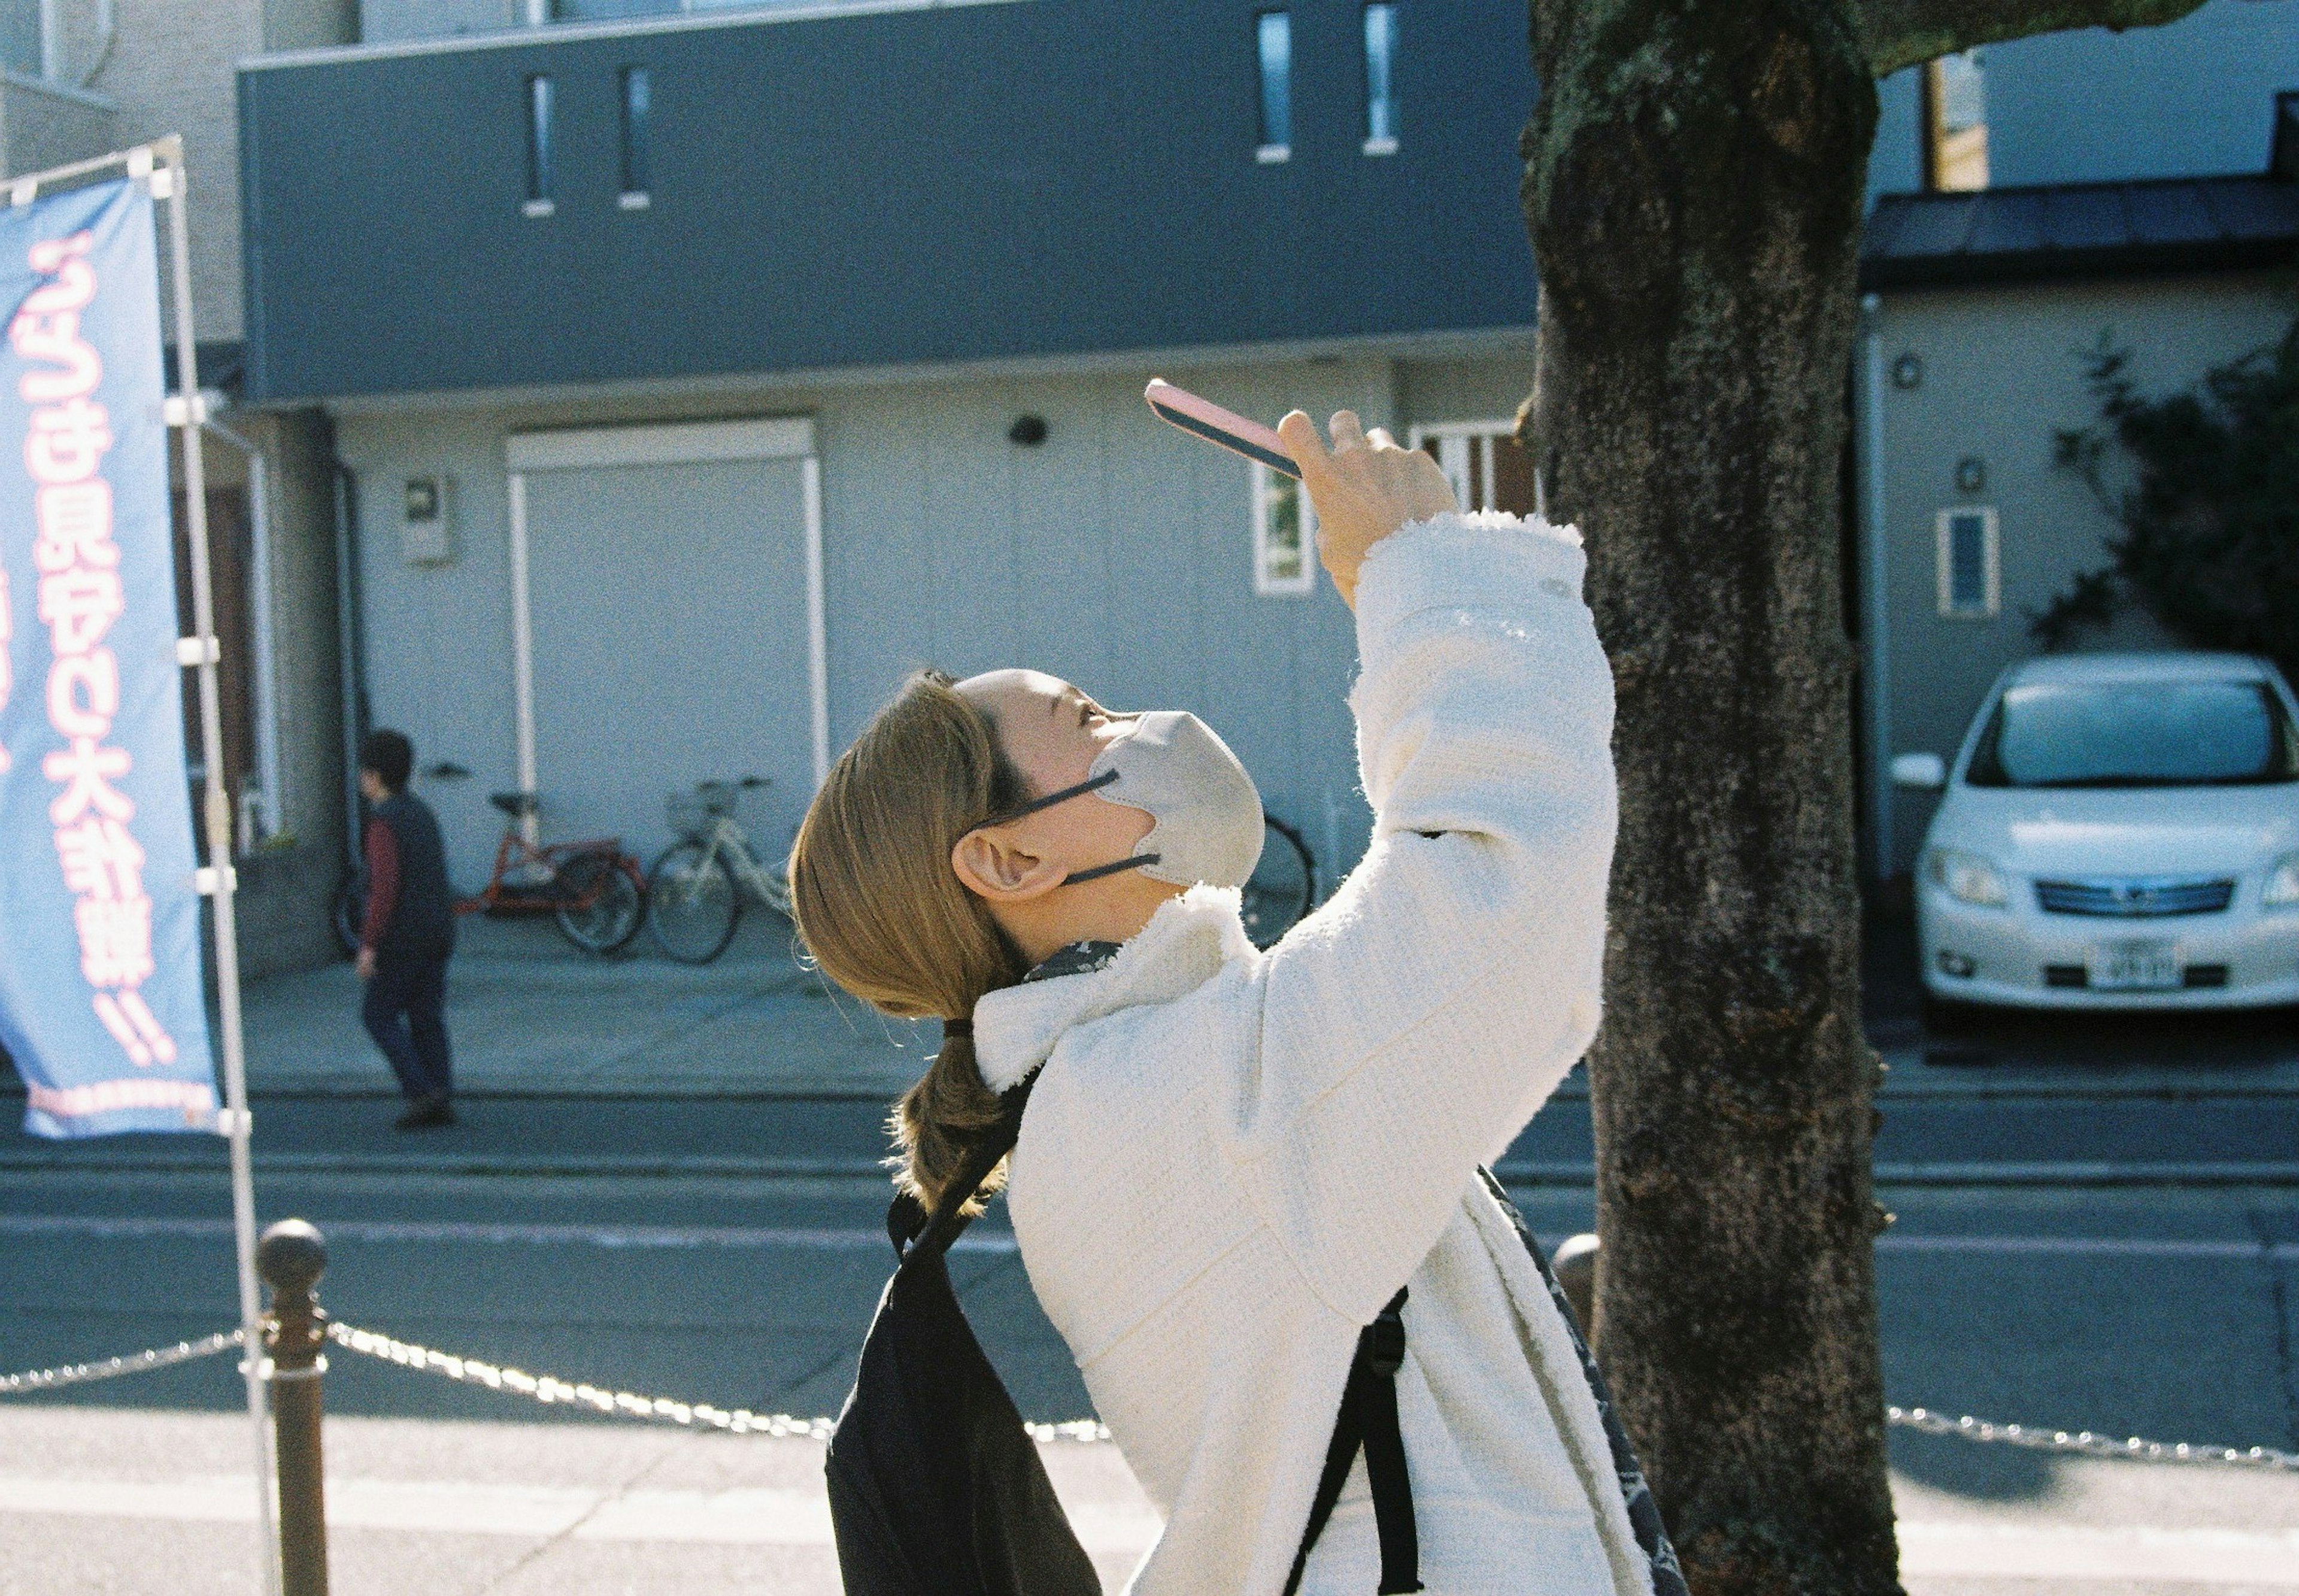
(1232, 1159)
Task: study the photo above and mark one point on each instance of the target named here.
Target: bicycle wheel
(599, 909)
(1282, 885)
(691, 905)
(347, 915)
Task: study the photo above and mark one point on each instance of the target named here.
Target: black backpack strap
(915, 1232)
(1367, 1421)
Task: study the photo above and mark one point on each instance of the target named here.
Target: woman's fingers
(1379, 439)
(1348, 432)
(1306, 448)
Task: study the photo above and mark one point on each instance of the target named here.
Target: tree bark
(1695, 177)
(1899, 33)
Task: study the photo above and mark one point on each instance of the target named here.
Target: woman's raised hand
(1364, 488)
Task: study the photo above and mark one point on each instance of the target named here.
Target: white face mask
(1170, 764)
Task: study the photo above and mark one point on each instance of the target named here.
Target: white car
(2119, 831)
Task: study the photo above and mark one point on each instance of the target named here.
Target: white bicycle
(697, 887)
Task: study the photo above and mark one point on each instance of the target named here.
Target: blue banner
(100, 992)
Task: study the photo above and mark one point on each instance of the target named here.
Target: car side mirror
(1925, 772)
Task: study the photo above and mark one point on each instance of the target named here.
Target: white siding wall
(1117, 554)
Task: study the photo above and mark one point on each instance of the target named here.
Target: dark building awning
(2080, 230)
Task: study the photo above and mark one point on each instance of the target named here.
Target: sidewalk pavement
(141, 1503)
(530, 1015)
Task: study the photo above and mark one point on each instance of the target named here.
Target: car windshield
(2159, 733)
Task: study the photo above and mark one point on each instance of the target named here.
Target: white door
(668, 609)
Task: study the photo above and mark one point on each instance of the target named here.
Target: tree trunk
(1695, 179)
(1695, 175)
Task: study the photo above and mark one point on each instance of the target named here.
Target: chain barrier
(110, 1369)
(2132, 1449)
(622, 1404)
(551, 1391)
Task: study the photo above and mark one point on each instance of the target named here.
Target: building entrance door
(667, 598)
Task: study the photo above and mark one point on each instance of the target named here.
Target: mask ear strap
(1094, 784)
(1098, 871)
(1051, 799)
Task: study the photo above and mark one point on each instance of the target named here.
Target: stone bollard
(291, 1257)
(1575, 1263)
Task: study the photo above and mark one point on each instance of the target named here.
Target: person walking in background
(408, 934)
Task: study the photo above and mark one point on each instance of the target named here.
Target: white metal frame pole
(818, 628)
(522, 656)
(164, 166)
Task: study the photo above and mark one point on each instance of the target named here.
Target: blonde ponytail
(882, 912)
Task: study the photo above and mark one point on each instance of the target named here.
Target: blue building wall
(1029, 179)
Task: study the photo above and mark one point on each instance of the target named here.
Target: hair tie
(957, 1027)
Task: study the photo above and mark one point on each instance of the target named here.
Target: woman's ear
(998, 871)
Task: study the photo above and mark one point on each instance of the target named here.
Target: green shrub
(2209, 541)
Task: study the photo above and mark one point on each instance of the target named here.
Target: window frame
(636, 148)
(541, 100)
(1376, 142)
(1266, 492)
(1270, 151)
(1991, 555)
(1423, 433)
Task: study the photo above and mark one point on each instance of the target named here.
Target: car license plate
(2134, 965)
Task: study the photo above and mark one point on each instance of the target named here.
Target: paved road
(2098, 1227)
(2170, 1312)
(2074, 1133)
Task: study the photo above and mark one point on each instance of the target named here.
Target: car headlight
(1969, 878)
(2282, 883)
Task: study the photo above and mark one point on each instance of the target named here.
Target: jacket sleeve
(1412, 1026)
(382, 851)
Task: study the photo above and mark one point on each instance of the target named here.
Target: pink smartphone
(1215, 425)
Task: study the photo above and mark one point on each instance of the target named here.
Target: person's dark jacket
(411, 910)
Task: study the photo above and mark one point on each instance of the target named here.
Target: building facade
(699, 371)
(704, 376)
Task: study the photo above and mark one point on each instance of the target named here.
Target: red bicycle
(593, 890)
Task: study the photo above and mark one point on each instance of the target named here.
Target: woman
(1231, 1160)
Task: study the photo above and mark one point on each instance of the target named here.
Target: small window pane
(1380, 58)
(1955, 123)
(538, 138)
(1969, 585)
(1967, 563)
(1964, 93)
(1274, 30)
(636, 178)
(1285, 535)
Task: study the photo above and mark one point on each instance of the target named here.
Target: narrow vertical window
(637, 181)
(1971, 583)
(1284, 532)
(1954, 100)
(539, 98)
(1380, 66)
(1273, 36)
